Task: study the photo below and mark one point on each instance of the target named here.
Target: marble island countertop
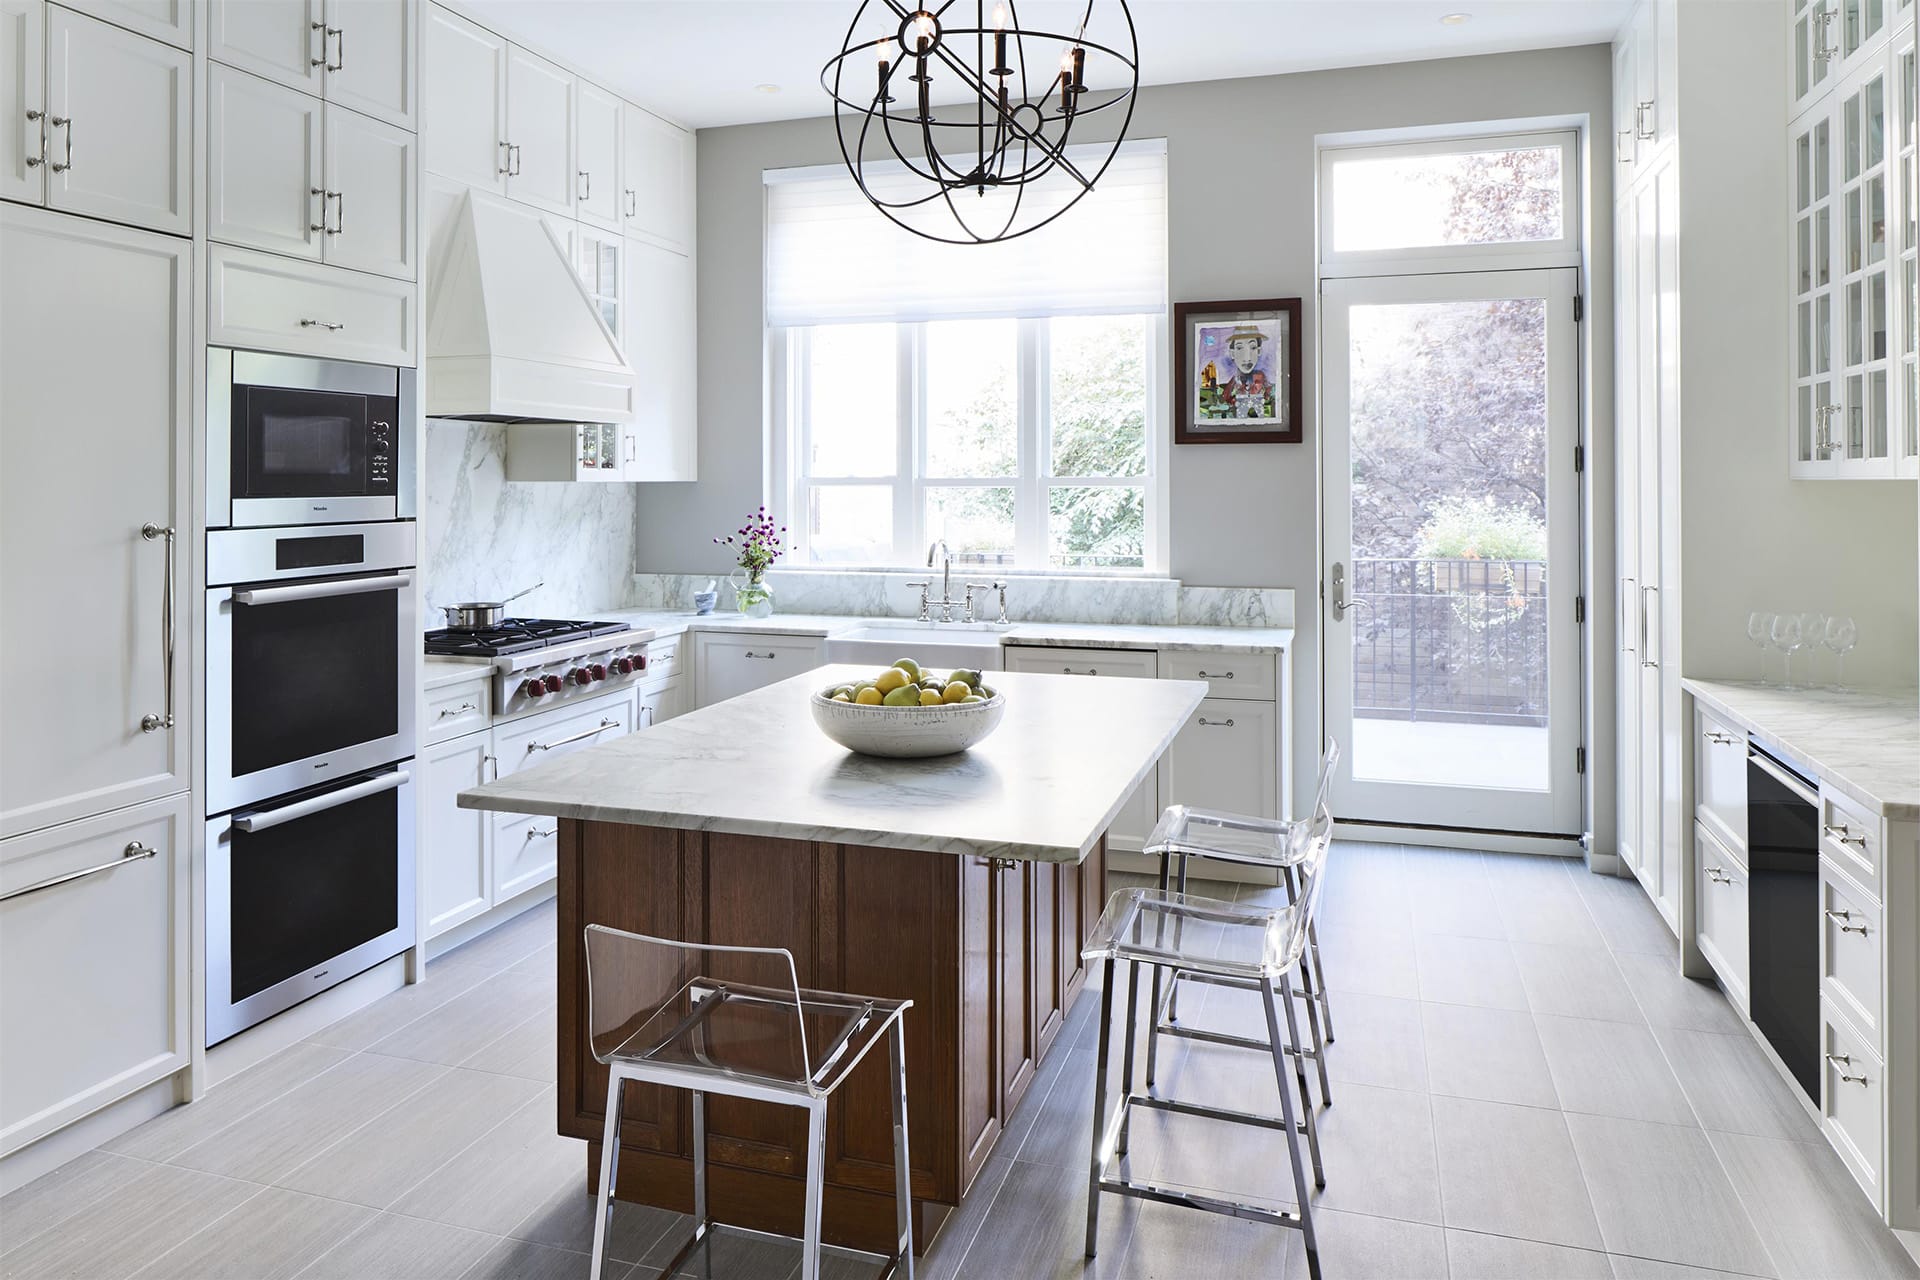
(1864, 744)
(1043, 787)
(1096, 635)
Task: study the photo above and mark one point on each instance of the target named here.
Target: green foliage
(1460, 528)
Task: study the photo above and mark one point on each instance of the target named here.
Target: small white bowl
(907, 732)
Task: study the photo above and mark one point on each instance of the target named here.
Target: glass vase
(752, 595)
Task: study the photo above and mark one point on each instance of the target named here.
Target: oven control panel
(569, 679)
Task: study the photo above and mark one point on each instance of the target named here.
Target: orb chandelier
(959, 133)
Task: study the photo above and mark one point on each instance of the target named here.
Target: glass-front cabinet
(1906, 419)
(1814, 402)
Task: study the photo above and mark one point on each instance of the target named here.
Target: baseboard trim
(1555, 846)
(62, 1146)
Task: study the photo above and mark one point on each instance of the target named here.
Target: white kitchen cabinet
(540, 132)
(370, 169)
(1720, 779)
(600, 258)
(658, 183)
(356, 53)
(657, 702)
(567, 451)
(113, 133)
(266, 303)
(526, 849)
(1815, 400)
(456, 845)
(94, 343)
(597, 156)
(95, 994)
(730, 663)
(661, 344)
(1721, 913)
(466, 102)
(1906, 188)
(1226, 758)
(1645, 94)
(1810, 45)
(170, 21)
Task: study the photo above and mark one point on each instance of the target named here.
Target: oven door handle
(321, 590)
(320, 804)
(1781, 776)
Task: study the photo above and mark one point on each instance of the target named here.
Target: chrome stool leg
(1300, 1073)
(902, 1169)
(700, 1219)
(1293, 1139)
(1103, 1122)
(1126, 1051)
(1313, 1014)
(1313, 974)
(609, 1170)
(1153, 1022)
(816, 1178)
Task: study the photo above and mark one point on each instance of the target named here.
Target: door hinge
(1579, 457)
(1579, 608)
(1579, 309)
(1579, 759)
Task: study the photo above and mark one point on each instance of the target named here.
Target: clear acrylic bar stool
(1244, 947)
(735, 1021)
(1183, 834)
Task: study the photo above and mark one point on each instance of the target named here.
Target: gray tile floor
(1523, 1086)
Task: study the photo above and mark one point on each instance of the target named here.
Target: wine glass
(1841, 636)
(1759, 627)
(1813, 626)
(1787, 637)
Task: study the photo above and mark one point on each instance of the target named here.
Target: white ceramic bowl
(907, 732)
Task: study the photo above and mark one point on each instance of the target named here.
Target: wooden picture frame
(1236, 372)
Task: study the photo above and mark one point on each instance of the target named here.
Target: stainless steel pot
(478, 615)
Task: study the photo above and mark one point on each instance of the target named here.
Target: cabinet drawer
(663, 659)
(1852, 838)
(539, 739)
(737, 662)
(1720, 779)
(1248, 676)
(526, 854)
(1852, 1100)
(1850, 950)
(275, 304)
(1140, 664)
(455, 709)
(94, 996)
(1226, 758)
(1720, 896)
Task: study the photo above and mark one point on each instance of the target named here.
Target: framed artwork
(1236, 372)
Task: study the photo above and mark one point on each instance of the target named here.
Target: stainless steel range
(542, 663)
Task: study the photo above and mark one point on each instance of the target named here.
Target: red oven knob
(552, 683)
(580, 675)
(598, 671)
(623, 666)
(639, 662)
(534, 688)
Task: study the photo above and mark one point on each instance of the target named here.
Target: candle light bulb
(882, 48)
(999, 17)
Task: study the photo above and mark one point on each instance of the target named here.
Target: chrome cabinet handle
(339, 62)
(154, 723)
(1646, 612)
(582, 736)
(535, 833)
(322, 27)
(63, 122)
(1642, 112)
(513, 159)
(632, 203)
(506, 157)
(1844, 835)
(1623, 147)
(329, 325)
(322, 224)
(39, 117)
(270, 818)
(339, 199)
(460, 710)
(1719, 875)
(1722, 739)
(587, 179)
(1216, 675)
(1069, 671)
(1843, 1061)
(1841, 918)
(134, 852)
(768, 656)
(1824, 52)
(1217, 724)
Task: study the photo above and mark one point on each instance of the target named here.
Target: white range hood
(512, 335)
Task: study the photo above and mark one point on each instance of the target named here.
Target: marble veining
(488, 537)
(1866, 744)
(1042, 788)
(1092, 635)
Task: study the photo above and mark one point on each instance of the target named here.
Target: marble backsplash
(488, 537)
(1030, 598)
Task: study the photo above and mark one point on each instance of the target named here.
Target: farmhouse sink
(931, 644)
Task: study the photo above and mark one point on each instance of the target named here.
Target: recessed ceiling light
(766, 88)
(1454, 19)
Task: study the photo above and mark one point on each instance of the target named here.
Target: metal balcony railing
(1461, 640)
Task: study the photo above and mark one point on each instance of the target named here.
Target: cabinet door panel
(1013, 988)
(83, 297)
(738, 662)
(1049, 982)
(661, 347)
(456, 843)
(466, 101)
(278, 39)
(597, 156)
(540, 132)
(23, 88)
(372, 67)
(263, 165)
(1226, 758)
(127, 146)
(371, 166)
(170, 21)
(657, 186)
(94, 992)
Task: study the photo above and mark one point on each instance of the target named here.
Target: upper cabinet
(596, 115)
(539, 141)
(466, 102)
(1646, 102)
(657, 198)
(661, 347)
(167, 20)
(356, 53)
(100, 119)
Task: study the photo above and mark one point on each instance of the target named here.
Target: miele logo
(321, 765)
(316, 508)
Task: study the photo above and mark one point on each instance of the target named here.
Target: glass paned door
(1452, 533)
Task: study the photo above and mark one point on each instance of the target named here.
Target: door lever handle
(1340, 602)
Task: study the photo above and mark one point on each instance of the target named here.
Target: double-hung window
(1005, 399)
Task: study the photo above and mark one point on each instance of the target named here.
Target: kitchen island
(965, 883)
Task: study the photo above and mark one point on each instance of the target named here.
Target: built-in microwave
(294, 440)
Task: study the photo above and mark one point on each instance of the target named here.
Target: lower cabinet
(1226, 758)
(95, 946)
(1720, 912)
(456, 845)
(730, 663)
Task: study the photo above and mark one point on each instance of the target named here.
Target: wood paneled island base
(988, 949)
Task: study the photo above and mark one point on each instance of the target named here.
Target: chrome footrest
(1176, 1107)
(1237, 1042)
(1199, 1200)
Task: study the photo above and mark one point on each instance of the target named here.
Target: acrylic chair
(735, 1021)
(1183, 834)
(1247, 947)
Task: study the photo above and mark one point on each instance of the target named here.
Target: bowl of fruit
(905, 712)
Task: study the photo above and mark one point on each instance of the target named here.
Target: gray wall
(1241, 515)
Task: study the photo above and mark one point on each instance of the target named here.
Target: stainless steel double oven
(312, 644)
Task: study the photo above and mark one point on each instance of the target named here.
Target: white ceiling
(700, 62)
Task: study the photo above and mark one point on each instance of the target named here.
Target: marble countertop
(1866, 744)
(1043, 787)
(1098, 635)
(443, 671)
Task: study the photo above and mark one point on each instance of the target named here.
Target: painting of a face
(1245, 350)
(1237, 370)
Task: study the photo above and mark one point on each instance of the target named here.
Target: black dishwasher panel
(1783, 914)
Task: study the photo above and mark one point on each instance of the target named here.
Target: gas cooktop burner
(516, 635)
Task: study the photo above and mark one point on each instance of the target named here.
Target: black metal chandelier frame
(1001, 127)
